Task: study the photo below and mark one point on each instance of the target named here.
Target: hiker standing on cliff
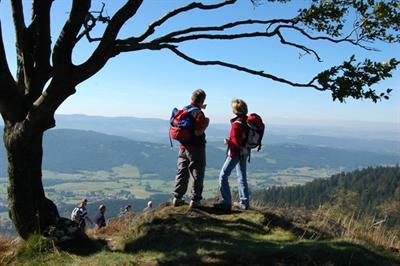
(237, 155)
(192, 151)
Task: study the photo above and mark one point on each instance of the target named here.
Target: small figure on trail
(188, 126)
(149, 206)
(100, 220)
(246, 133)
(127, 210)
(80, 215)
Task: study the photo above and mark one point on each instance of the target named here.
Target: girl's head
(239, 107)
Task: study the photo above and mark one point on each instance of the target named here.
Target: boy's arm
(201, 123)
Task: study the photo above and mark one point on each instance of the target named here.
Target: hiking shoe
(177, 202)
(240, 205)
(222, 206)
(194, 204)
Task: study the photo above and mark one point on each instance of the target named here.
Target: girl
(236, 158)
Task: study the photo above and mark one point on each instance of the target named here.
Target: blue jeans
(240, 163)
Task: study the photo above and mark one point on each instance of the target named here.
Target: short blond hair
(198, 96)
(239, 107)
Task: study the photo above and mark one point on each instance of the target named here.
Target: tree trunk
(29, 209)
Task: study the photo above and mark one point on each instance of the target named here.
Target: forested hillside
(372, 190)
(71, 151)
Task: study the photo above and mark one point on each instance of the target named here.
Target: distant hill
(67, 150)
(156, 130)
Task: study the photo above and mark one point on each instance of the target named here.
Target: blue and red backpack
(182, 124)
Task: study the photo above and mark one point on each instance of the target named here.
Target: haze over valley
(129, 160)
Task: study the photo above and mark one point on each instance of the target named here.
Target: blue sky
(151, 83)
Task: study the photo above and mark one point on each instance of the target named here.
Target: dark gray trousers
(191, 163)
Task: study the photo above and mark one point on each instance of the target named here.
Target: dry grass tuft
(363, 227)
(7, 248)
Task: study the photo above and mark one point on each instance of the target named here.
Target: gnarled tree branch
(90, 23)
(240, 68)
(326, 38)
(195, 5)
(301, 47)
(62, 51)
(41, 42)
(7, 83)
(105, 49)
(218, 36)
(24, 60)
(226, 26)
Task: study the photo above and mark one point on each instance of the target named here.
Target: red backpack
(255, 133)
(182, 124)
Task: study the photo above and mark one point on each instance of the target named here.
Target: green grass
(88, 186)
(178, 236)
(126, 170)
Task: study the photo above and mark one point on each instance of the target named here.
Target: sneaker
(240, 205)
(222, 206)
(177, 202)
(194, 204)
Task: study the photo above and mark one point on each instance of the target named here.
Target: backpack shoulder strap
(239, 120)
(191, 108)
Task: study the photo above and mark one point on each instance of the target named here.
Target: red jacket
(237, 135)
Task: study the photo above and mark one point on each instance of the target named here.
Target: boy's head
(198, 96)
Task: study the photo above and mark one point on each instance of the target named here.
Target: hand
(226, 141)
(207, 121)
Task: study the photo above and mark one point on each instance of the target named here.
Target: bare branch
(19, 23)
(7, 82)
(105, 49)
(90, 23)
(24, 60)
(301, 47)
(63, 49)
(151, 29)
(226, 26)
(4, 69)
(40, 32)
(218, 36)
(128, 47)
(131, 44)
(346, 39)
(244, 69)
(356, 26)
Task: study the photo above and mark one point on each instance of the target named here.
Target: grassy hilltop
(178, 236)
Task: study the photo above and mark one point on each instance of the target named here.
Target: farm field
(125, 182)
